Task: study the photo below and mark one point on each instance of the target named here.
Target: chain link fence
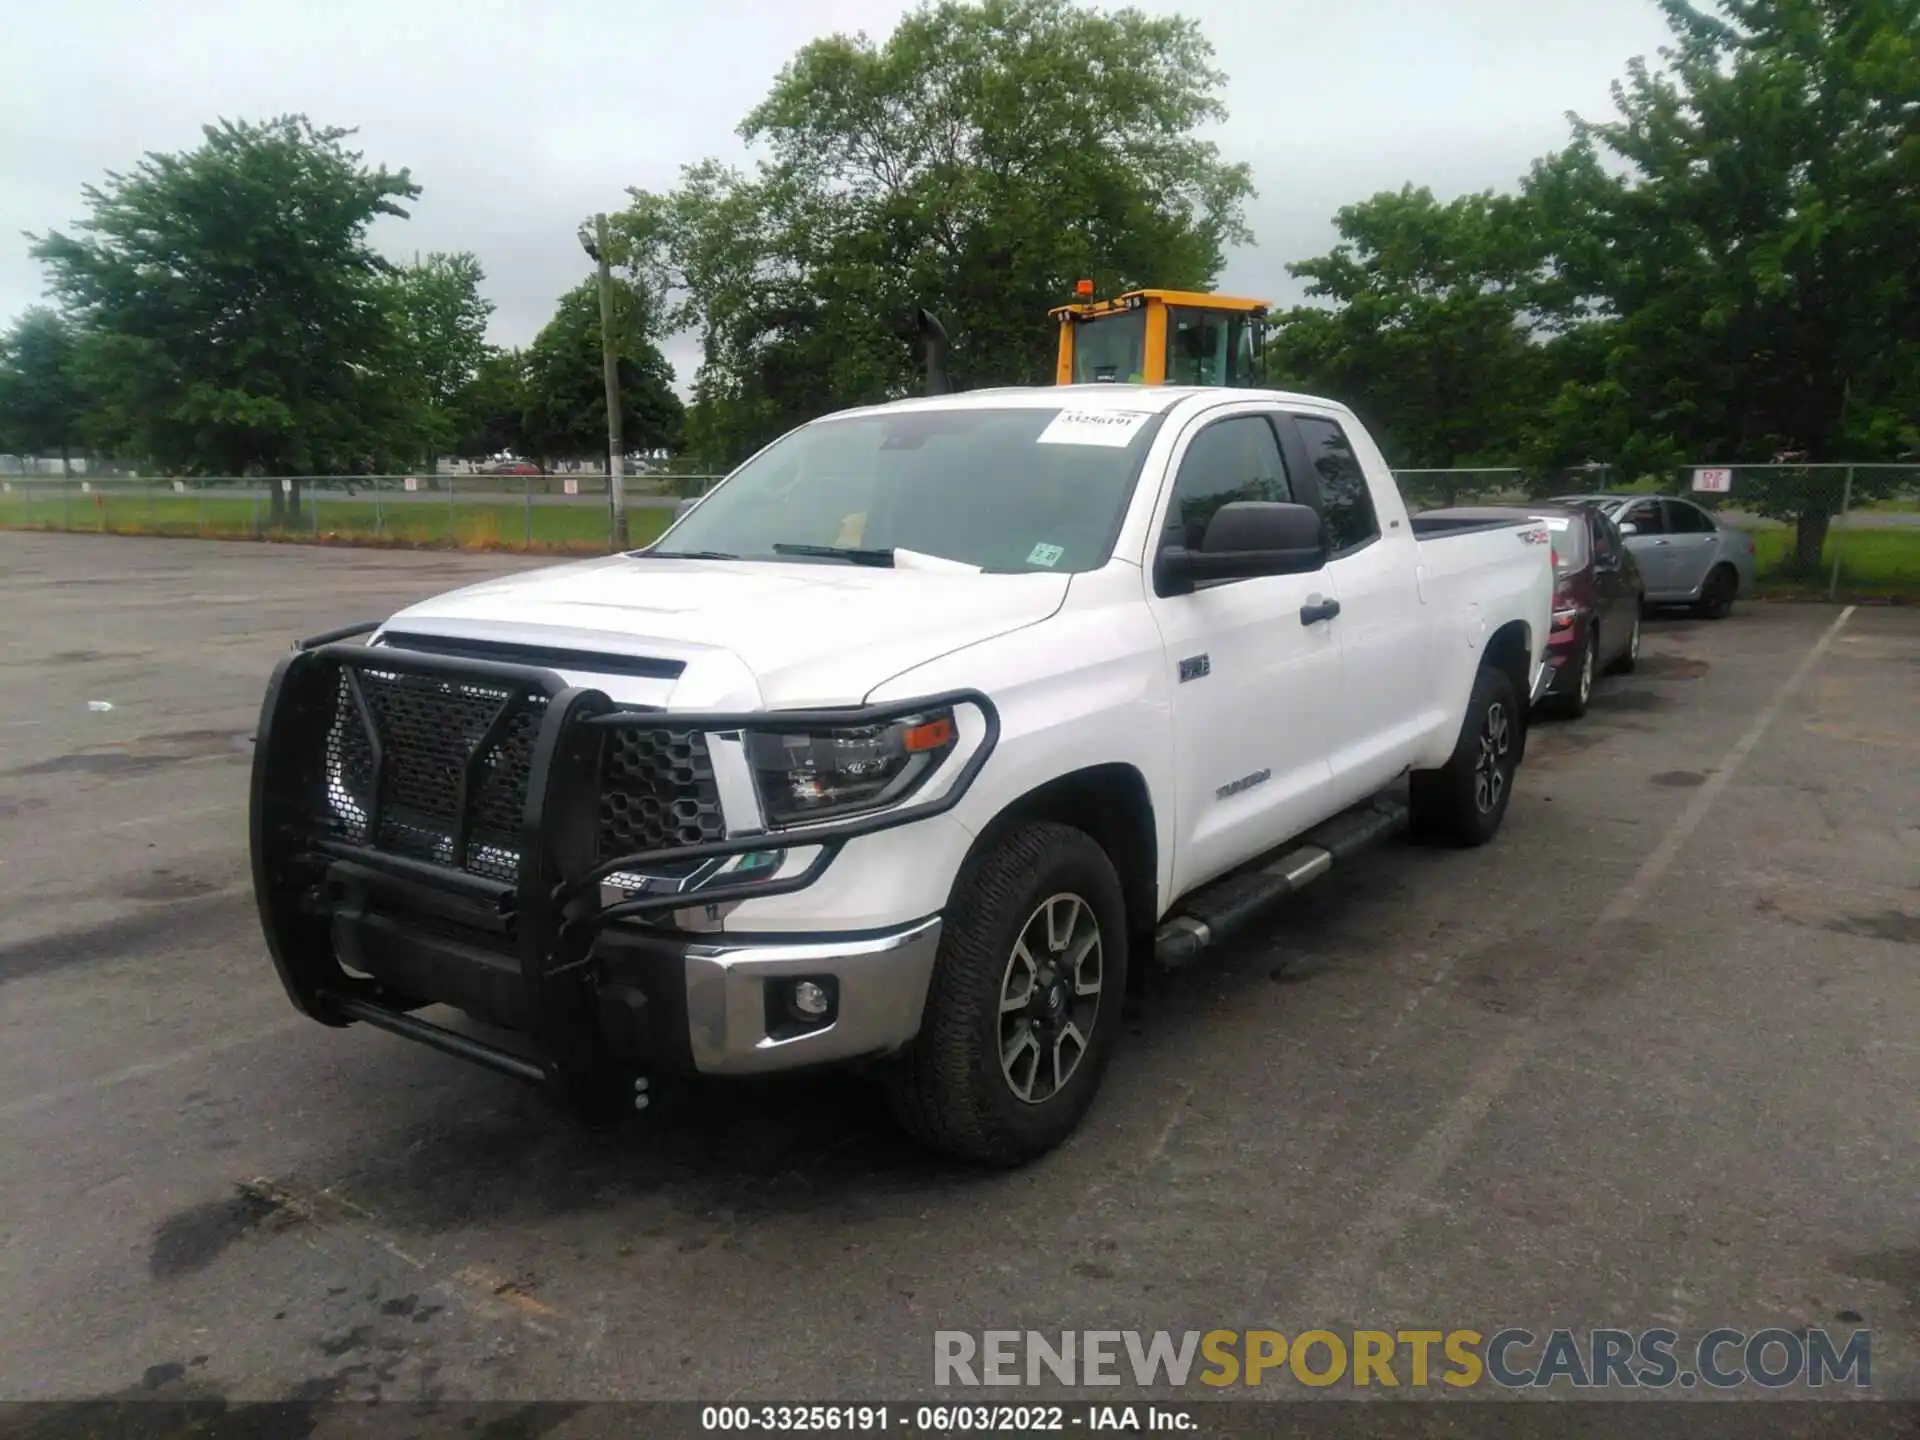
(564, 512)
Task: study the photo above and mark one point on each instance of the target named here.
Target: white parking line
(1383, 1214)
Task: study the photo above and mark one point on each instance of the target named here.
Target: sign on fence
(286, 487)
(572, 487)
(86, 487)
(179, 487)
(1718, 482)
(412, 482)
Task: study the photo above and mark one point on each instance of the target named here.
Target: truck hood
(809, 634)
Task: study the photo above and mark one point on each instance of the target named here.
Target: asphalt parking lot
(1650, 1058)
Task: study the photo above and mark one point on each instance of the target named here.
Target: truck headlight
(806, 775)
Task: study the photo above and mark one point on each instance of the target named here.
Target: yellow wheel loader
(1144, 337)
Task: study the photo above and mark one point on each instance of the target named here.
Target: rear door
(1256, 688)
(1374, 562)
(1692, 542)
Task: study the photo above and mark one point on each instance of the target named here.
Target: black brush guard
(522, 946)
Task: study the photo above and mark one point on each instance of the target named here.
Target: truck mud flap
(1229, 904)
(428, 828)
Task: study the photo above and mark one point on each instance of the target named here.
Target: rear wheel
(1573, 703)
(1717, 595)
(1464, 801)
(1628, 658)
(1024, 1008)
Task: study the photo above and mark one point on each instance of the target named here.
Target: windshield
(1111, 348)
(1003, 489)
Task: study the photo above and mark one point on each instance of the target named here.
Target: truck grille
(428, 729)
(657, 788)
(657, 791)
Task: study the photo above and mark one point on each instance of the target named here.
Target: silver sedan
(1686, 557)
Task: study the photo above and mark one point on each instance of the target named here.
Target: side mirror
(1627, 527)
(1245, 539)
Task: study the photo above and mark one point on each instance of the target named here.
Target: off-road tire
(1446, 803)
(949, 1090)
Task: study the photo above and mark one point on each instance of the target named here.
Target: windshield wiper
(689, 554)
(852, 554)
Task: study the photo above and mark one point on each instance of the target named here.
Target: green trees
(1747, 288)
(564, 400)
(42, 399)
(1427, 331)
(1723, 271)
(233, 309)
(440, 347)
(977, 162)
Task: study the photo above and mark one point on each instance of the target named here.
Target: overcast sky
(520, 117)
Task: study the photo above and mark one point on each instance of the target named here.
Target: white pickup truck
(905, 747)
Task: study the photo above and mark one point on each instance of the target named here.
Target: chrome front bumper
(736, 1023)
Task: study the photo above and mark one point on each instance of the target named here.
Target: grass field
(1872, 562)
(471, 525)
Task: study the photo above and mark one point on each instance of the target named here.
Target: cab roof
(1133, 299)
(1152, 399)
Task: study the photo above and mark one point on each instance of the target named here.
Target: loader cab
(1160, 337)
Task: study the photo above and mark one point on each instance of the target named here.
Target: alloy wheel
(1490, 766)
(1050, 997)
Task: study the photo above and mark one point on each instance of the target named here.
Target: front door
(1256, 682)
(1652, 547)
(1618, 595)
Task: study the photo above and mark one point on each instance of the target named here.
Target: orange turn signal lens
(933, 735)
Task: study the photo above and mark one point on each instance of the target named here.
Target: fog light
(810, 1001)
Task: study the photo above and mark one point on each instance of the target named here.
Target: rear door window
(1685, 519)
(1346, 505)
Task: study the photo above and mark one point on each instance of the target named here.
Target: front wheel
(1463, 802)
(1024, 1007)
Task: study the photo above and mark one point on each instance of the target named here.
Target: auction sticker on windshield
(1114, 428)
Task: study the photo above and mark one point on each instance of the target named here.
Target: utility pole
(610, 364)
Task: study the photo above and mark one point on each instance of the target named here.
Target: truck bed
(1466, 520)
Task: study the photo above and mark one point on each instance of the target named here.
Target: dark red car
(1597, 598)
